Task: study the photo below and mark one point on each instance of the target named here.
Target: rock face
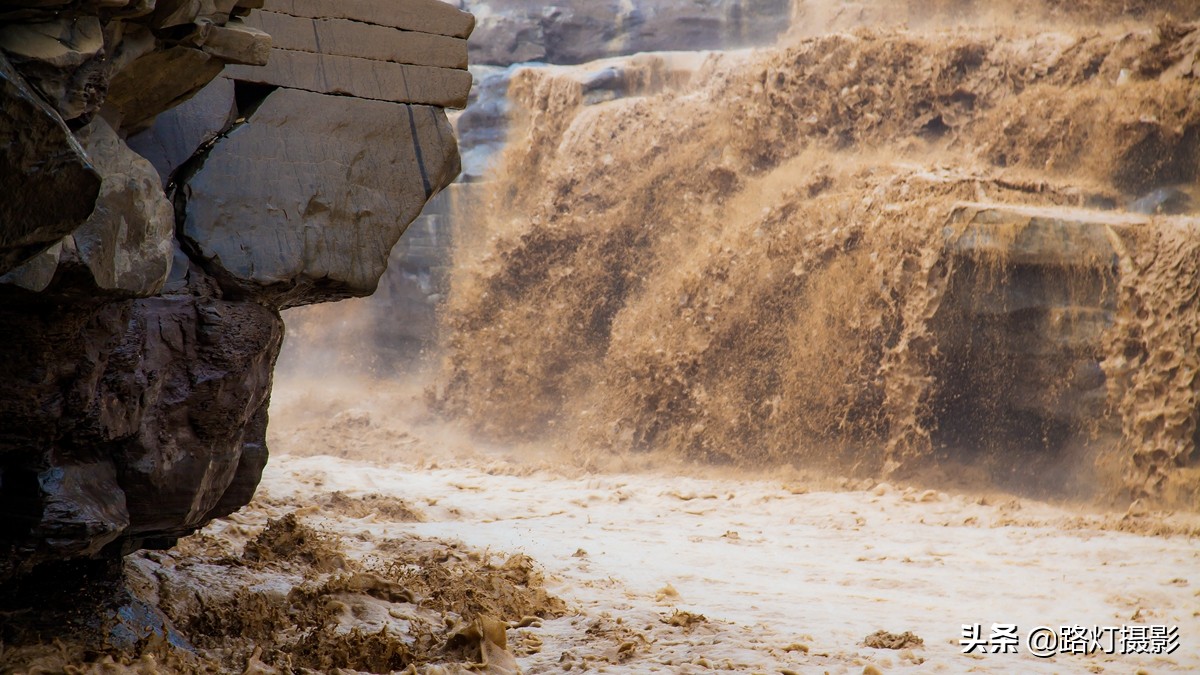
(411, 53)
(1032, 292)
(124, 246)
(512, 31)
(335, 211)
(165, 209)
(60, 185)
(140, 435)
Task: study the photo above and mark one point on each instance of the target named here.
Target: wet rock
(266, 229)
(1163, 201)
(138, 440)
(58, 184)
(1030, 297)
(95, 605)
(1056, 237)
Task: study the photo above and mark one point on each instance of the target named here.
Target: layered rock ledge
(183, 170)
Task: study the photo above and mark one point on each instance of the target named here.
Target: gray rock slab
(361, 78)
(426, 16)
(179, 132)
(58, 184)
(342, 37)
(304, 202)
(159, 81)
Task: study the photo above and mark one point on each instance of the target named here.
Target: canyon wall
(178, 172)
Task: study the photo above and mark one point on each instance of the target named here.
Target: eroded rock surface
(158, 218)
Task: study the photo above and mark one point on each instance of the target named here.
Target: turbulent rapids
(907, 253)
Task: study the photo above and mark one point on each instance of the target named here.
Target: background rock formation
(162, 209)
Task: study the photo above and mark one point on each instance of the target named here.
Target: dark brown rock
(58, 184)
(138, 439)
(1029, 298)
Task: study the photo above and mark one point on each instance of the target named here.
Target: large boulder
(138, 438)
(291, 208)
(177, 133)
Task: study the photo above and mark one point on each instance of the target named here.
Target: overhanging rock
(141, 301)
(303, 202)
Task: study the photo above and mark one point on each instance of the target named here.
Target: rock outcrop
(512, 31)
(328, 231)
(176, 180)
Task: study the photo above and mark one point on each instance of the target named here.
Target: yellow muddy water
(760, 267)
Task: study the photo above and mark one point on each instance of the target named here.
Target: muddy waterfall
(946, 252)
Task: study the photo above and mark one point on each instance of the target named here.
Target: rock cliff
(180, 171)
